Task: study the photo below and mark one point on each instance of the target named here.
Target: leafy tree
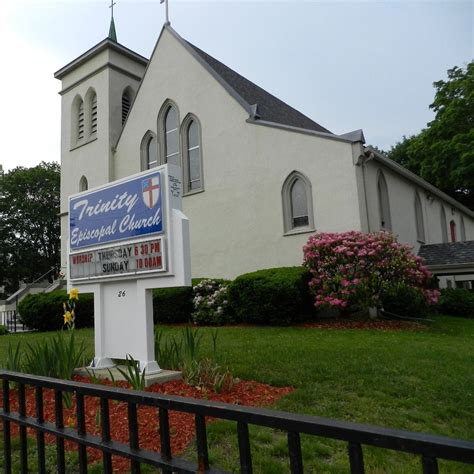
(443, 153)
(30, 229)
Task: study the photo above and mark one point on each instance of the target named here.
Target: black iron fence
(429, 448)
(11, 320)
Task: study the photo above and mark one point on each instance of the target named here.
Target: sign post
(126, 238)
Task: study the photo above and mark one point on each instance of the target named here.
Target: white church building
(258, 176)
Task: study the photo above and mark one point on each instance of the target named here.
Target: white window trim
(288, 228)
(184, 153)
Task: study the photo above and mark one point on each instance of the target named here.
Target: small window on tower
(80, 123)
(126, 104)
(94, 114)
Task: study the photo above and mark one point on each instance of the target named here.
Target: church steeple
(112, 32)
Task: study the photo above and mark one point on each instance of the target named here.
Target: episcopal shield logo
(151, 191)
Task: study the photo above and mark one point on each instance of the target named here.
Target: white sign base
(126, 325)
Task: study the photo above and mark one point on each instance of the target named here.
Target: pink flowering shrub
(356, 268)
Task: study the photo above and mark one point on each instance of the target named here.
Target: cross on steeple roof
(112, 32)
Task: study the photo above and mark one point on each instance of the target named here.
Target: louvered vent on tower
(80, 130)
(94, 114)
(126, 103)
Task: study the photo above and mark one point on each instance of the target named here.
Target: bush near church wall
(456, 302)
(405, 300)
(175, 305)
(44, 311)
(172, 305)
(276, 296)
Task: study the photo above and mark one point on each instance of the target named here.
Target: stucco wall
(237, 222)
(401, 193)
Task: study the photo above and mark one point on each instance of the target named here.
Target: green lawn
(420, 381)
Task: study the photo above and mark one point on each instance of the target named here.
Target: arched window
(192, 151)
(77, 120)
(90, 114)
(149, 151)
(80, 123)
(297, 203)
(463, 230)
(94, 113)
(384, 205)
(171, 136)
(420, 228)
(168, 132)
(444, 228)
(452, 227)
(126, 104)
(83, 184)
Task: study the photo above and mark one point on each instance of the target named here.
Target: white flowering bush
(210, 303)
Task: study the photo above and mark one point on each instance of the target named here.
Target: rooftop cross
(112, 32)
(167, 22)
(111, 6)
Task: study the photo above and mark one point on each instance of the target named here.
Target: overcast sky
(347, 65)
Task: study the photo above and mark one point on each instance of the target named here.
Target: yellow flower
(67, 317)
(74, 294)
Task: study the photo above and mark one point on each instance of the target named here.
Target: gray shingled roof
(269, 107)
(455, 253)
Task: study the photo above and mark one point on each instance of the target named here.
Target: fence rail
(428, 447)
(11, 320)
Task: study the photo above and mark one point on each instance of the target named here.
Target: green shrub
(276, 296)
(44, 311)
(172, 305)
(3, 330)
(457, 302)
(405, 301)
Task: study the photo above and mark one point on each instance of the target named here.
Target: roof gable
(268, 107)
(260, 105)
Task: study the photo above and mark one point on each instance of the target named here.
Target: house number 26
(121, 294)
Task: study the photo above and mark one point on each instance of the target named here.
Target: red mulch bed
(182, 430)
(365, 324)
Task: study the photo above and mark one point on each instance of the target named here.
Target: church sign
(125, 239)
(121, 211)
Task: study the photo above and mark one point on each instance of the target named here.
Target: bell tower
(97, 90)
